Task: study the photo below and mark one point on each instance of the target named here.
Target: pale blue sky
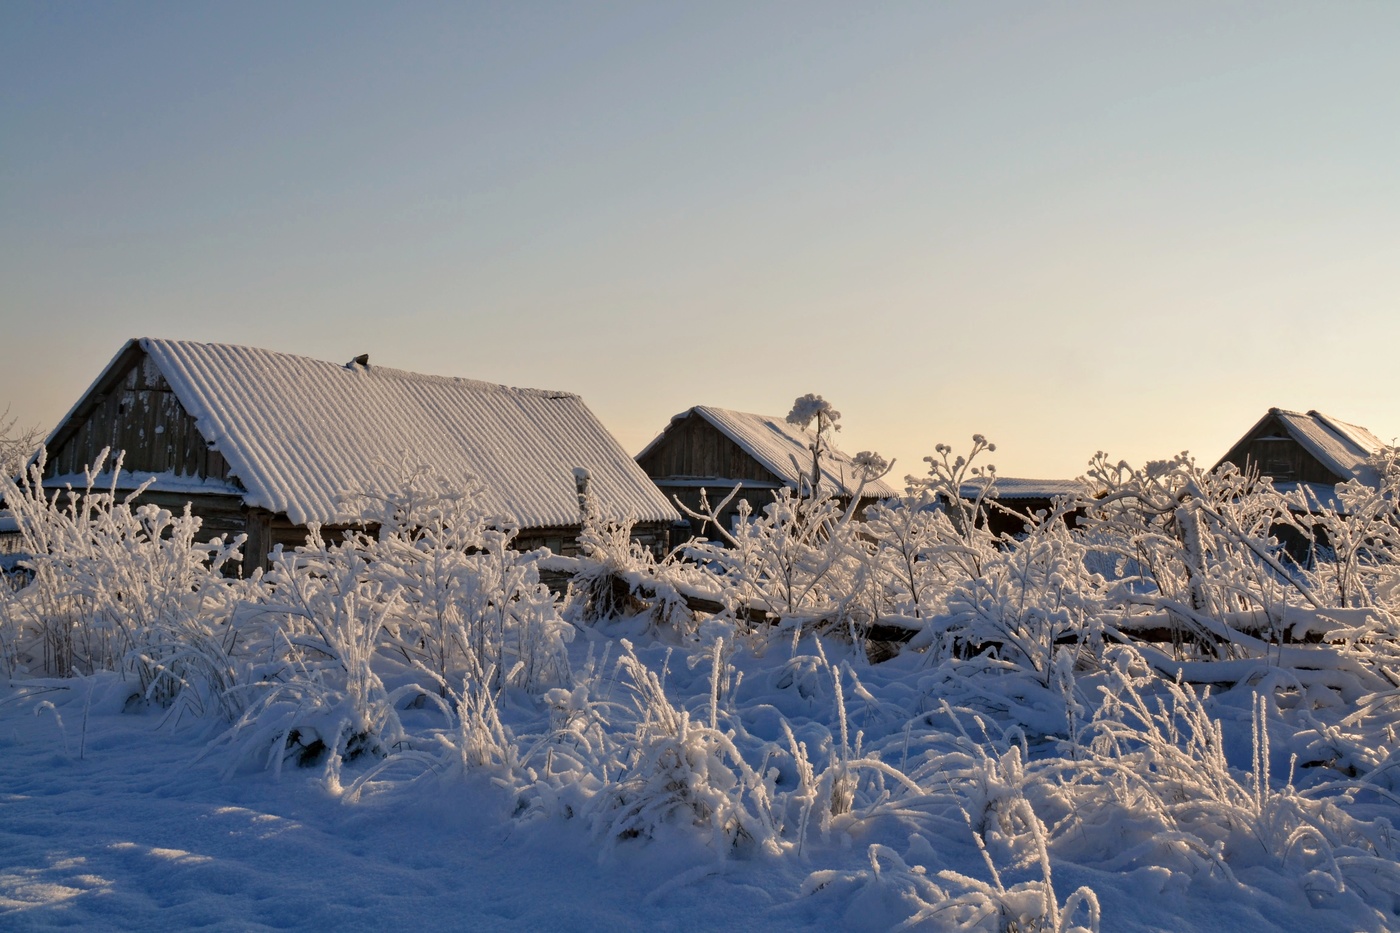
(1067, 226)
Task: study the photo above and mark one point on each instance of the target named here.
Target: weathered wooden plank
(259, 543)
(694, 447)
(150, 426)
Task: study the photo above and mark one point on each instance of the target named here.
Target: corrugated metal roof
(299, 433)
(1013, 487)
(1341, 447)
(776, 444)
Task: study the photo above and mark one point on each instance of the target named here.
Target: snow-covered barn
(267, 442)
(716, 449)
(11, 543)
(1309, 448)
(1013, 499)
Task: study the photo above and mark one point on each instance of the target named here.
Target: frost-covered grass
(1027, 761)
(640, 813)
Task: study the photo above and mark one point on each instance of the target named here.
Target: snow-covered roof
(1012, 487)
(1341, 447)
(1322, 495)
(299, 433)
(775, 444)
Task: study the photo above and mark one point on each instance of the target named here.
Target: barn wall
(999, 522)
(758, 498)
(140, 415)
(695, 448)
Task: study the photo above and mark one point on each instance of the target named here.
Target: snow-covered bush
(611, 567)
(682, 773)
(1032, 599)
(122, 586)
(17, 445)
(1199, 545)
(908, 538)
(320, 697)
(465, 600)
(436, 590)
(1355, 540)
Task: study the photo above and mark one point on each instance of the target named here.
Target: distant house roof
(1339, 446)
(783, 449)
(11, 543)
(1012, 487)
(299, 433)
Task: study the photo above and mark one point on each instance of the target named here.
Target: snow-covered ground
(111, 819)
(121, 827)
(409, 730)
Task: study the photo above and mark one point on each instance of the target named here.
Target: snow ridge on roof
(775, 443)
(1341, 447)
(300, 433)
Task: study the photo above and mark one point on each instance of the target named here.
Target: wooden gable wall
(134, 410)
(694, 448)
(1274, 453)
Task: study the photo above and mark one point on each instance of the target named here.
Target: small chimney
(361, 360)
(581, 478)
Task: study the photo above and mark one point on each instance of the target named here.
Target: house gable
(1290, 447)
(132, 411)
(692, 448)
(715, 449)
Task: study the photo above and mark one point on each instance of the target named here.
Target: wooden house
(1306, 449)
(716, 449)
(11, 543)
(1013, 497)
(1311, 452)
(265, 443)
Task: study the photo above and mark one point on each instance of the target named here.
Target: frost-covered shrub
(804, 559)
(122, 586)
(320, 697)
(1158, 758)
(465, 600)
(1355, 542)
(435, 596)
(801, 561)
(909, 538)
(948, 482)
(611, 566)
(682, 773)
(1197, 544)
(17, 445)
(1032, 598)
